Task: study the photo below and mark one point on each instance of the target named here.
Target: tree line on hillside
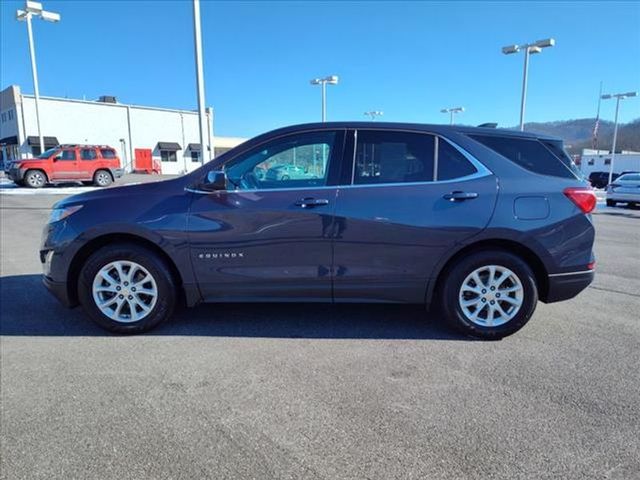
(578, 134)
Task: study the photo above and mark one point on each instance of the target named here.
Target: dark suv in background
(480, 222)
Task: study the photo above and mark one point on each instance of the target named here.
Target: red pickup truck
(90, 164)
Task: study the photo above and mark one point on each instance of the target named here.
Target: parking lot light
(528, 49)
(35, 9)
(618, 97)
(452, 111)
(331, 80)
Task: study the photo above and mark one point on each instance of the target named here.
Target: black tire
(156, 267)
(455, 276)
(611, 203)
(35, 179)
(102, 178)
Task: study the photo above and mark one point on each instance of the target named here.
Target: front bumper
(15, 174)
(563, 286)
(59, 290)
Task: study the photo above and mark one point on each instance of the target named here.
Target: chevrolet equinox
(480, 222)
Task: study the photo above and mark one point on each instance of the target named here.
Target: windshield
(47, 153)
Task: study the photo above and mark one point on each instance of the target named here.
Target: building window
(168, 156)
(195, 156)
(4, 117)
(10, 115)
(35, 150)
(607, 161)
(591, 161)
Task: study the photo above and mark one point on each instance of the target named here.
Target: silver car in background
(625, 189)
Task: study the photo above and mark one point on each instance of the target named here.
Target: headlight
(61, 213)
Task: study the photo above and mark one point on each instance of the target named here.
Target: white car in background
(624, 189)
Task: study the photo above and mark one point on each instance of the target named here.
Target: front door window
(299, 161)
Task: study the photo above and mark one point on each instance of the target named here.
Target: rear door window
(451, 163)
(528, 153)
(393, 157)
(88, 154)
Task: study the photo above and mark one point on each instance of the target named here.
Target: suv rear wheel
(126, 288)
(102, 178)
(35, 179)
(489, 294)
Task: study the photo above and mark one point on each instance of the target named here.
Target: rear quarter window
(532, 154)
(107, 153)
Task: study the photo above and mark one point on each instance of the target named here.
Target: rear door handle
(310, 202)
(459, 196)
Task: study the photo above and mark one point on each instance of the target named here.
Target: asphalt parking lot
(319, 391)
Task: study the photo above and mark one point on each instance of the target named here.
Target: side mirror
(214, 181)
(57, 157)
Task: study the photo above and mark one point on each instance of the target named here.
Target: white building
(600, 161)
(146, 138)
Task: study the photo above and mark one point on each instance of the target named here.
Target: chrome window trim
(436, 142)
(481, 169)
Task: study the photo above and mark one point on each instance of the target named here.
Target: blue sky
(407, 59)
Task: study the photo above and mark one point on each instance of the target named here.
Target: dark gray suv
(480, 222)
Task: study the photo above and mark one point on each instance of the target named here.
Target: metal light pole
(35, 9)
(202, 121)
(331, 80)
(373, 114)
(452, 111)
(618, 97)
(528, 49)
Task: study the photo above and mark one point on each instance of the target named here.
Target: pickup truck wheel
(126, 288)
(102, 178)
(35, 179)
(489, 294)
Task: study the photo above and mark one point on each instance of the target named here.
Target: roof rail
(488, 125)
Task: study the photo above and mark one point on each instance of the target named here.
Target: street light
(528, 49)
(618, 97)
(373, 114)
(197, 40)
(331, 80)
(452, 111)
(32, 9)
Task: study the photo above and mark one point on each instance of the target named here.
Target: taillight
(591, 266)
(584, 198)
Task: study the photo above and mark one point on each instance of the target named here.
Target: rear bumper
(624, 197)
(58, 290)
(563, 286)
(118, 172)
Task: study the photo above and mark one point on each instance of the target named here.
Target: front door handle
(310, 202)
(458, 196)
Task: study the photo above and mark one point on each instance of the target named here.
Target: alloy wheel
(125, 291)
(491, 296)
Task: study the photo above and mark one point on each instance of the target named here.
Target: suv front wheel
(102, 178)
(489, 294)
(126, 288)
(35, 179)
